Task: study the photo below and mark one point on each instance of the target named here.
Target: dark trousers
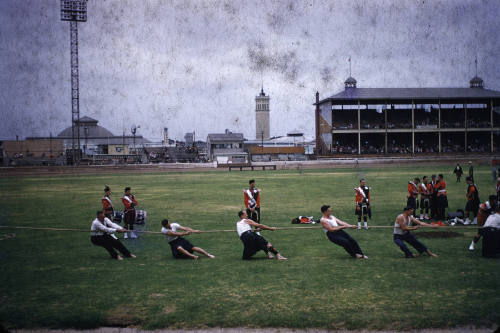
(252, 244)
(343, 239)
(255, 215)
(491, 242)
(129, 219)
(110, 244)
(434, 206)
(409, 238)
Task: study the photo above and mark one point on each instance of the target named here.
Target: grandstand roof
(412, 94)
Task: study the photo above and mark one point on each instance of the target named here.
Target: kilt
(472, 206)
(412, 202)
(442, 201)
(425, 202)
(182, 242)
(129, 217)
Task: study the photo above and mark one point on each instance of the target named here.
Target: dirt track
(209, 167)
(249, 330)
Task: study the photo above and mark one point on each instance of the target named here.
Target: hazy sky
(198, 65)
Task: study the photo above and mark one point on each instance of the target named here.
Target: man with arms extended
(252, 241)
(181, 247)
(402, 233)
(101, 234)
(333, 227)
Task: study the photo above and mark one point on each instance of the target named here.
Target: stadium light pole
(74, 11)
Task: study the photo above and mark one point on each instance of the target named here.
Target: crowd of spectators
(372, 149)
(344, 125)
(473, 123)
(372, 125)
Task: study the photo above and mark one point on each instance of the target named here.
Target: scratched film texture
(198, 65)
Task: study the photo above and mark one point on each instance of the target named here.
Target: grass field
(59, 280)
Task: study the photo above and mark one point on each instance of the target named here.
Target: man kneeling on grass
(181, 247)
(101, 234)
(402, 233)
(252, 241)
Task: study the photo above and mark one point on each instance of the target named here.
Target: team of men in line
(432, 197)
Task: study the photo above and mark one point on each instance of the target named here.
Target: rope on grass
(226, 230)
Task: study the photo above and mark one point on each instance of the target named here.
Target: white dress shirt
(99, 228)
(493, 221)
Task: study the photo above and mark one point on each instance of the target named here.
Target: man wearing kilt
(252, 241)
(413, 194)
(442, 198)
(129, 204)
(473, 202)
(425, 189)
(181, 247)
(362, 199)
(106, 200)
(251, 198)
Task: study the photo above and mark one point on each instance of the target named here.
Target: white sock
(366, 224)
(359, 224)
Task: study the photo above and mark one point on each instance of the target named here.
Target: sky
(194, 65)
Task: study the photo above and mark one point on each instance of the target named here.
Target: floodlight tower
(74, 11)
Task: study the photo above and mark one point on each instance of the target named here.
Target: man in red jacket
(129, 204)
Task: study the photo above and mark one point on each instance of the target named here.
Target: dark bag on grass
(459, 213)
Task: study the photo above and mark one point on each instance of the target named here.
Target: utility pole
(74, 11)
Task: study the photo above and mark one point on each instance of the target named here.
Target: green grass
(59, 280)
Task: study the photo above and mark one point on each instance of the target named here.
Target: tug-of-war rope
(471, 227)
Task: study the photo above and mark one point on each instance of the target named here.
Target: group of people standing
(433, 197)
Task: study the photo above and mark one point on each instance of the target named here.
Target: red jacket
(412, 190)
(248, 196)
(440, 187)
(106, 202)
(128, 201)
(425, 190)
(359, 195)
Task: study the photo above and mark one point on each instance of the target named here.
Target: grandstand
(389, 121)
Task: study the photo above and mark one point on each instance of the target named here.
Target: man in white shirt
(333, 227)
(181, 247)
(493, 221)
(101, 234)
(252, 241)
(491, 235)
